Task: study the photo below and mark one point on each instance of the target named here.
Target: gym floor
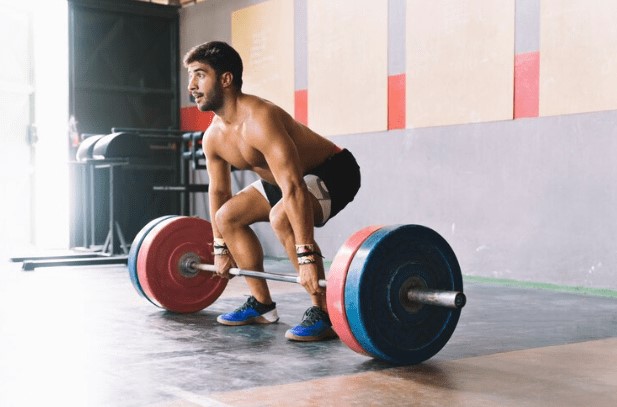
(81, 336)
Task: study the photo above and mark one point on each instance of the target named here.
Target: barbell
(393, 292)
(452, 299)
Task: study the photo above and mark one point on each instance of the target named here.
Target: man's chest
(241, 155)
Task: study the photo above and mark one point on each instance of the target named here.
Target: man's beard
(213, 100)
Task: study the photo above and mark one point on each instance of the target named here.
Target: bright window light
(34, 214)
(51, 209)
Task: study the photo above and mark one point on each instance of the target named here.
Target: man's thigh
(279, 210)
(248, 206)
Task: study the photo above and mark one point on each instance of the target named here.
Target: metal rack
(115, 248)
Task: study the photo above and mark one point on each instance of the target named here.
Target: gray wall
(526, 199)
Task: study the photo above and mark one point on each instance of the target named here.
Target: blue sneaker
(315, 326)
(251, 312)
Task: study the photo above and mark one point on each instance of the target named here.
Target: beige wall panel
(578, 56)
(347, 66)
(460, 61)
(263, 34)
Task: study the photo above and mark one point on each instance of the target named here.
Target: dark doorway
(123, 73)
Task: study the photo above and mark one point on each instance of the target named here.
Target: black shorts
(340, 174)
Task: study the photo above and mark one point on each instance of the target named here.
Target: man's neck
(229, 111)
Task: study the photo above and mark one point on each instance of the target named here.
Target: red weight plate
(335, 294)
(159, 259)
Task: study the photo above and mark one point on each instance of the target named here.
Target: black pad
(120, 145)
(84, 151)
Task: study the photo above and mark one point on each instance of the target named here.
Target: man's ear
(226, 79)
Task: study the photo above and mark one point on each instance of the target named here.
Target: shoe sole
(270, 317)
(329, 334)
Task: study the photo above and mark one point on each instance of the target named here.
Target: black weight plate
(385, 325)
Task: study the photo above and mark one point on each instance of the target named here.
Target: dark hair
(220, 56)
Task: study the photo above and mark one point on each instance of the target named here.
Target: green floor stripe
(598, 292)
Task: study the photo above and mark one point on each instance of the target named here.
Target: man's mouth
(197, 96)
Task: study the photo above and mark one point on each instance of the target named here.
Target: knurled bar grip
(258, 274)
(441, 298)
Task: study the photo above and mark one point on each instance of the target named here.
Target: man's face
(205, 87)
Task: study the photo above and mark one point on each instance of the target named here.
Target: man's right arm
(219, 192)
(219, 188)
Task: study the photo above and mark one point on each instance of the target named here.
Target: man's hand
(309, 278)
(223, 263)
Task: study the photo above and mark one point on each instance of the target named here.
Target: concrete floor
(81, 336)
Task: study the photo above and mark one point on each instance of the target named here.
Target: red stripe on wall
(526, 85)
(301, 106)
(396, 102)
(192, 119)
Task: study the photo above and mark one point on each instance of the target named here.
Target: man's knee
(279, 221)
(244, 209)
(227, 217)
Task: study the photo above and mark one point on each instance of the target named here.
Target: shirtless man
(305, 180)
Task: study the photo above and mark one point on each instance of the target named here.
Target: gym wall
(495, 126)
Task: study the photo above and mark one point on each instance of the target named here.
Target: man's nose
(191, 84)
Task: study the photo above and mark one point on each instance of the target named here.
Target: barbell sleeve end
(448, 299)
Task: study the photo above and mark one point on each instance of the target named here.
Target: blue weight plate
(134, 252)
(390, 261)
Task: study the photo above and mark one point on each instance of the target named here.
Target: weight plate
(135, 246)
(386, 265)
(159, 262)
(335, 294)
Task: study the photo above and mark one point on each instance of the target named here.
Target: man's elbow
(295, 190)
(219, 194)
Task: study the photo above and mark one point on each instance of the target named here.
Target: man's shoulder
(212, 135)
(260, 106)
(214, 128)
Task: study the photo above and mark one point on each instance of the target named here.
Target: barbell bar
(440, 298)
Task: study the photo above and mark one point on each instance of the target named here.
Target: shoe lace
(250, 303)
(311, 316)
